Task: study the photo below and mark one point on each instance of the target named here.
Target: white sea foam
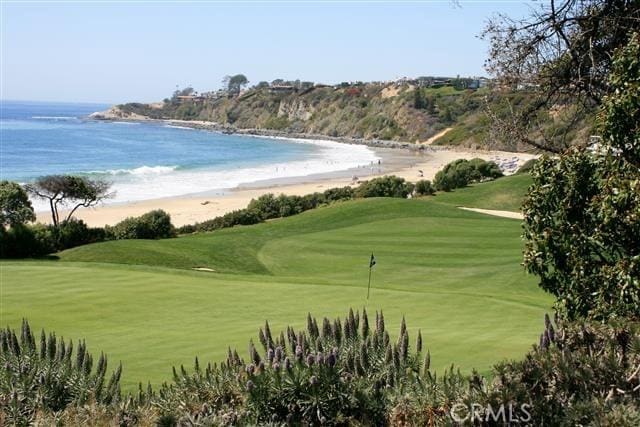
(125, 123)
(178, 127)
(53, 117)
(140, 171)
(152, 182)
(169, 181)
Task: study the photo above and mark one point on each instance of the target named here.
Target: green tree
(562, 52)
(235, 83)
(15, 206)
(582, 213)
(69, 191)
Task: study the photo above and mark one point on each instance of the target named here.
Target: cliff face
(367, 111)
(295, 110)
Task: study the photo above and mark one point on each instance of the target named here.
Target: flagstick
(369, 285)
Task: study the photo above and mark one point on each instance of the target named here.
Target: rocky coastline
(115, 114)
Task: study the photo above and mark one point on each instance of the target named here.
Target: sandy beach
(189, 209)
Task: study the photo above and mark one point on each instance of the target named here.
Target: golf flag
(372, 262)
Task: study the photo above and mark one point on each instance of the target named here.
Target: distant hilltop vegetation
(428, 110)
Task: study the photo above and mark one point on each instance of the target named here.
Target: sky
(126, 51)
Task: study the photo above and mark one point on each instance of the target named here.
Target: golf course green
(454, 274)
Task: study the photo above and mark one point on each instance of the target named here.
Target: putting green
(455, 275)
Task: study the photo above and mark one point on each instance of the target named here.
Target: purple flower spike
(251, 368)
(331, 360)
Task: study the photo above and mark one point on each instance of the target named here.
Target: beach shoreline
(411, 165)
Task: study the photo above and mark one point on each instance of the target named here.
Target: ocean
(153, 160)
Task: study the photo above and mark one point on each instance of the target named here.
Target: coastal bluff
(116, 113)
(367, 113)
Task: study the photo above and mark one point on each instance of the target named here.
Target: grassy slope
(502, 194)
(454, 274)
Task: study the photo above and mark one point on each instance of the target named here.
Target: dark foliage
(152, 225)
(269, 206)
(461, 173)
(386, 186)
(26, 241)
(582, 213)
(424, 188)
(15, 206)
(74, 232)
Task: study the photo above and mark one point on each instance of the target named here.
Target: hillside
(369, 111)
(141, 302)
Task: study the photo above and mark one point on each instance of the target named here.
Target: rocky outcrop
(115, 113)
(295, 110)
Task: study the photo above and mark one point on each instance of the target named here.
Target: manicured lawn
(503, 194)
(454, 274)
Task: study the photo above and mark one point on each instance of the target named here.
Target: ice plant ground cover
(453, 274)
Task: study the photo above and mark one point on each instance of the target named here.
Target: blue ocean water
(151, 160)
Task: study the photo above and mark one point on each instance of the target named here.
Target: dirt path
(436, 136)
(504, 214)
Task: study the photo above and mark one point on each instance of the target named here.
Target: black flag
(372, 262)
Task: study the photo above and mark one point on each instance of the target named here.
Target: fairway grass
(453, 274)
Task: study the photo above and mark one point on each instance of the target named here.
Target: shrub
(45, 238)
(25, 241)
(338, 194)
(48, 377)
(74, 232)
(266, 205)
(485, 169)
(579, 372)
(289, 205)
(241, 217)
(312, 201)
(337, 372)
(152, 225)
(424, 188)
(386, 186)
(461, 173)
(15, 206)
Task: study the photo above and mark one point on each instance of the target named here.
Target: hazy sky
(116, 52)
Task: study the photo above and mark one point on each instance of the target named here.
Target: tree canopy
(562, 53)
(235, 83)
(15, 206)
(69, 191)
(582, 213)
